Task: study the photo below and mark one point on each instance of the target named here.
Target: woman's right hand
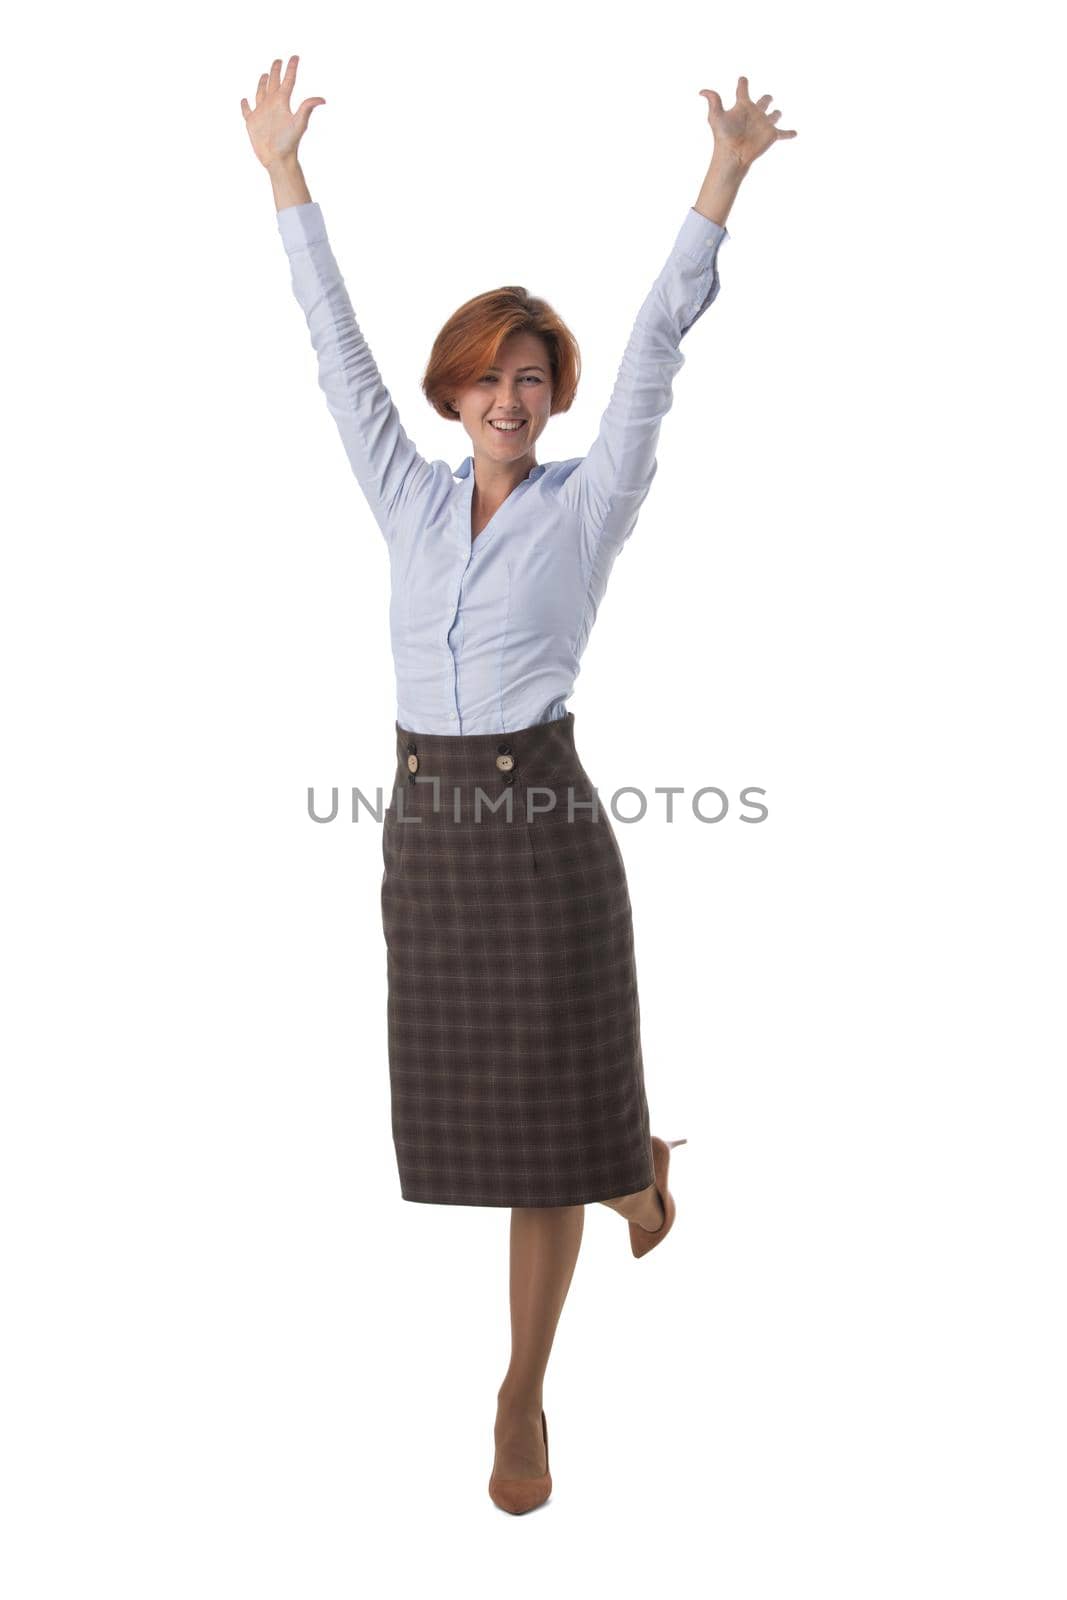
(274, 130)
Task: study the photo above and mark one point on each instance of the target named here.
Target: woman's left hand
(747, 129)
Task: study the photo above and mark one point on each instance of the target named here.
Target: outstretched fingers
(761, 105)
(274, 82)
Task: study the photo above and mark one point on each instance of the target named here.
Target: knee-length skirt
(514, 1027)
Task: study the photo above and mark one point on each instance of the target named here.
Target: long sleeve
(609, 486)
(387, 466)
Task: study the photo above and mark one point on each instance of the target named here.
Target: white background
(236, 1363)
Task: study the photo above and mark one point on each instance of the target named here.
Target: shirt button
(711, 240)
(451, 716)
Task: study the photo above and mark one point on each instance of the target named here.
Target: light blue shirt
(488, 634)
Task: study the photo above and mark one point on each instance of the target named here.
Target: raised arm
(609, 486)
(386, 464)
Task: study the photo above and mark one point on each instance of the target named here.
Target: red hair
(470, 340)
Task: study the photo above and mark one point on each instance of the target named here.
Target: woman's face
(518, 388)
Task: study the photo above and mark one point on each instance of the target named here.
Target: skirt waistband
(501, 757)
(454, 773)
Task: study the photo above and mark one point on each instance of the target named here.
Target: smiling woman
(514, 1029)
(504, 363)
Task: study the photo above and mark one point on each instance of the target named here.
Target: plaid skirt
(514, 1027)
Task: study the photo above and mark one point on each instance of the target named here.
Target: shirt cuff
(699, 237)
(301, 225)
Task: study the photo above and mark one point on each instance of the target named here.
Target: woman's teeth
(507, 427)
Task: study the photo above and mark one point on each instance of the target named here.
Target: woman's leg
(545, 1241)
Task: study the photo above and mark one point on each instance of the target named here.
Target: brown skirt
(514, 1025)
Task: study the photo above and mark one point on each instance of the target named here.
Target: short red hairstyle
(471, 338)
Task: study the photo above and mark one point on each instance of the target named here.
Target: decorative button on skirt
(514, 1026)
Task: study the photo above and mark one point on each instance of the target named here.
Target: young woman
(515, 1061)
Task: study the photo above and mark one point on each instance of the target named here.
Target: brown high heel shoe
(523, 1494)
(642, 1240)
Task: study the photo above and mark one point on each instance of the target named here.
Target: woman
(513, 1019)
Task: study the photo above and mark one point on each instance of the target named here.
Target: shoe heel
(672, 1143)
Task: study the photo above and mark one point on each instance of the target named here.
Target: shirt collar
(466, 467)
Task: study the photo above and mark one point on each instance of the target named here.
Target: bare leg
(545, 1241)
